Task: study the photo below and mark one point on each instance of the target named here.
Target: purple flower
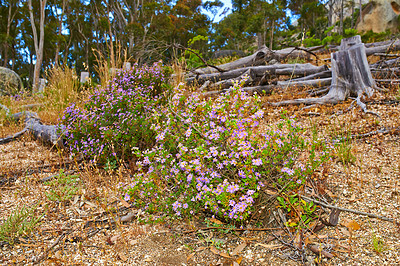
(257, 162)
(127, 197)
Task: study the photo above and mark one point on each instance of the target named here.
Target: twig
(13, 137)
(201, 58)
(44, 254)
(375, 132)
(350, 210)
(233, 229)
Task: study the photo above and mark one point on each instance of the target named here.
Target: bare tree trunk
(352, 14)
(361, 17)
(38, 42)
(59, 32)
(259, 41)
(271, 40)
(341, 17)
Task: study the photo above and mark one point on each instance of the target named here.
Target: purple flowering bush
(117, 118)
(212, 155)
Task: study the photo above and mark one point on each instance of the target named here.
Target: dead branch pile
(348, 74)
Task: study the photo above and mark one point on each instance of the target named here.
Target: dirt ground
(87, 228)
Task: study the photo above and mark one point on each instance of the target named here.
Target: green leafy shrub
(116, 118)
(371, 36)
(312, 41)
(211, 156)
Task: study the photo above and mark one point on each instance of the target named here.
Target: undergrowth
(63, 187)
(20, 223)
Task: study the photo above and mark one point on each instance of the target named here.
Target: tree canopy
(76, 30)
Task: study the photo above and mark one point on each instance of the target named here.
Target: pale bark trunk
(39, 42)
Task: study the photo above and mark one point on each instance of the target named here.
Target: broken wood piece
(45, 133)
(316, 249)
(323, 74)
(246, 78)
(349, 210)
(393, 46)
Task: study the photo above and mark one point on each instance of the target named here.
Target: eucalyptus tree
(9, 20)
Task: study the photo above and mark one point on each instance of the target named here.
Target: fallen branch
(46, 252)
(233, 229)
(350, 210)
(201, 58)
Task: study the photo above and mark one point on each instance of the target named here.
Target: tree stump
(351, 76)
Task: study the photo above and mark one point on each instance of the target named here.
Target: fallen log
(385, 63)
(301, 70)
(45, 133)
(306, 83)
(258, 58)
(323, 74)
(393, 46)
(247, 77)
(259, 71)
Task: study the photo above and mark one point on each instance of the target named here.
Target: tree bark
(38, 42)
(259, 71)
(10, 19)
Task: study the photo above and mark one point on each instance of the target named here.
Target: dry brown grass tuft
(106, 67)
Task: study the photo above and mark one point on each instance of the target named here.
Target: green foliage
(20, 223)
(63, 187)
(371, 36)
(300, 212)
(378, 244)
(191, 57)
(312, 41)
(210, 156)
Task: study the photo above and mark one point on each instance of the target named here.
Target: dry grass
(106, 66)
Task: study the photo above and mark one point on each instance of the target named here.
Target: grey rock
(10, 82)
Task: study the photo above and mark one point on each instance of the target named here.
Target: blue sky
(219, 16)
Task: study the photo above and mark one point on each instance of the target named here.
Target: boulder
(379, 16)
(10, 82)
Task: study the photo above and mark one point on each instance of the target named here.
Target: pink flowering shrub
(211, 156)
(117, 118)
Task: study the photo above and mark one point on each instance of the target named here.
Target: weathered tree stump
(351, 76)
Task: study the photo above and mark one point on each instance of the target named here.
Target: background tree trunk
(38, 42)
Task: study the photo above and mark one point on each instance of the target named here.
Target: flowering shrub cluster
(117, 118)
(211, 155)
